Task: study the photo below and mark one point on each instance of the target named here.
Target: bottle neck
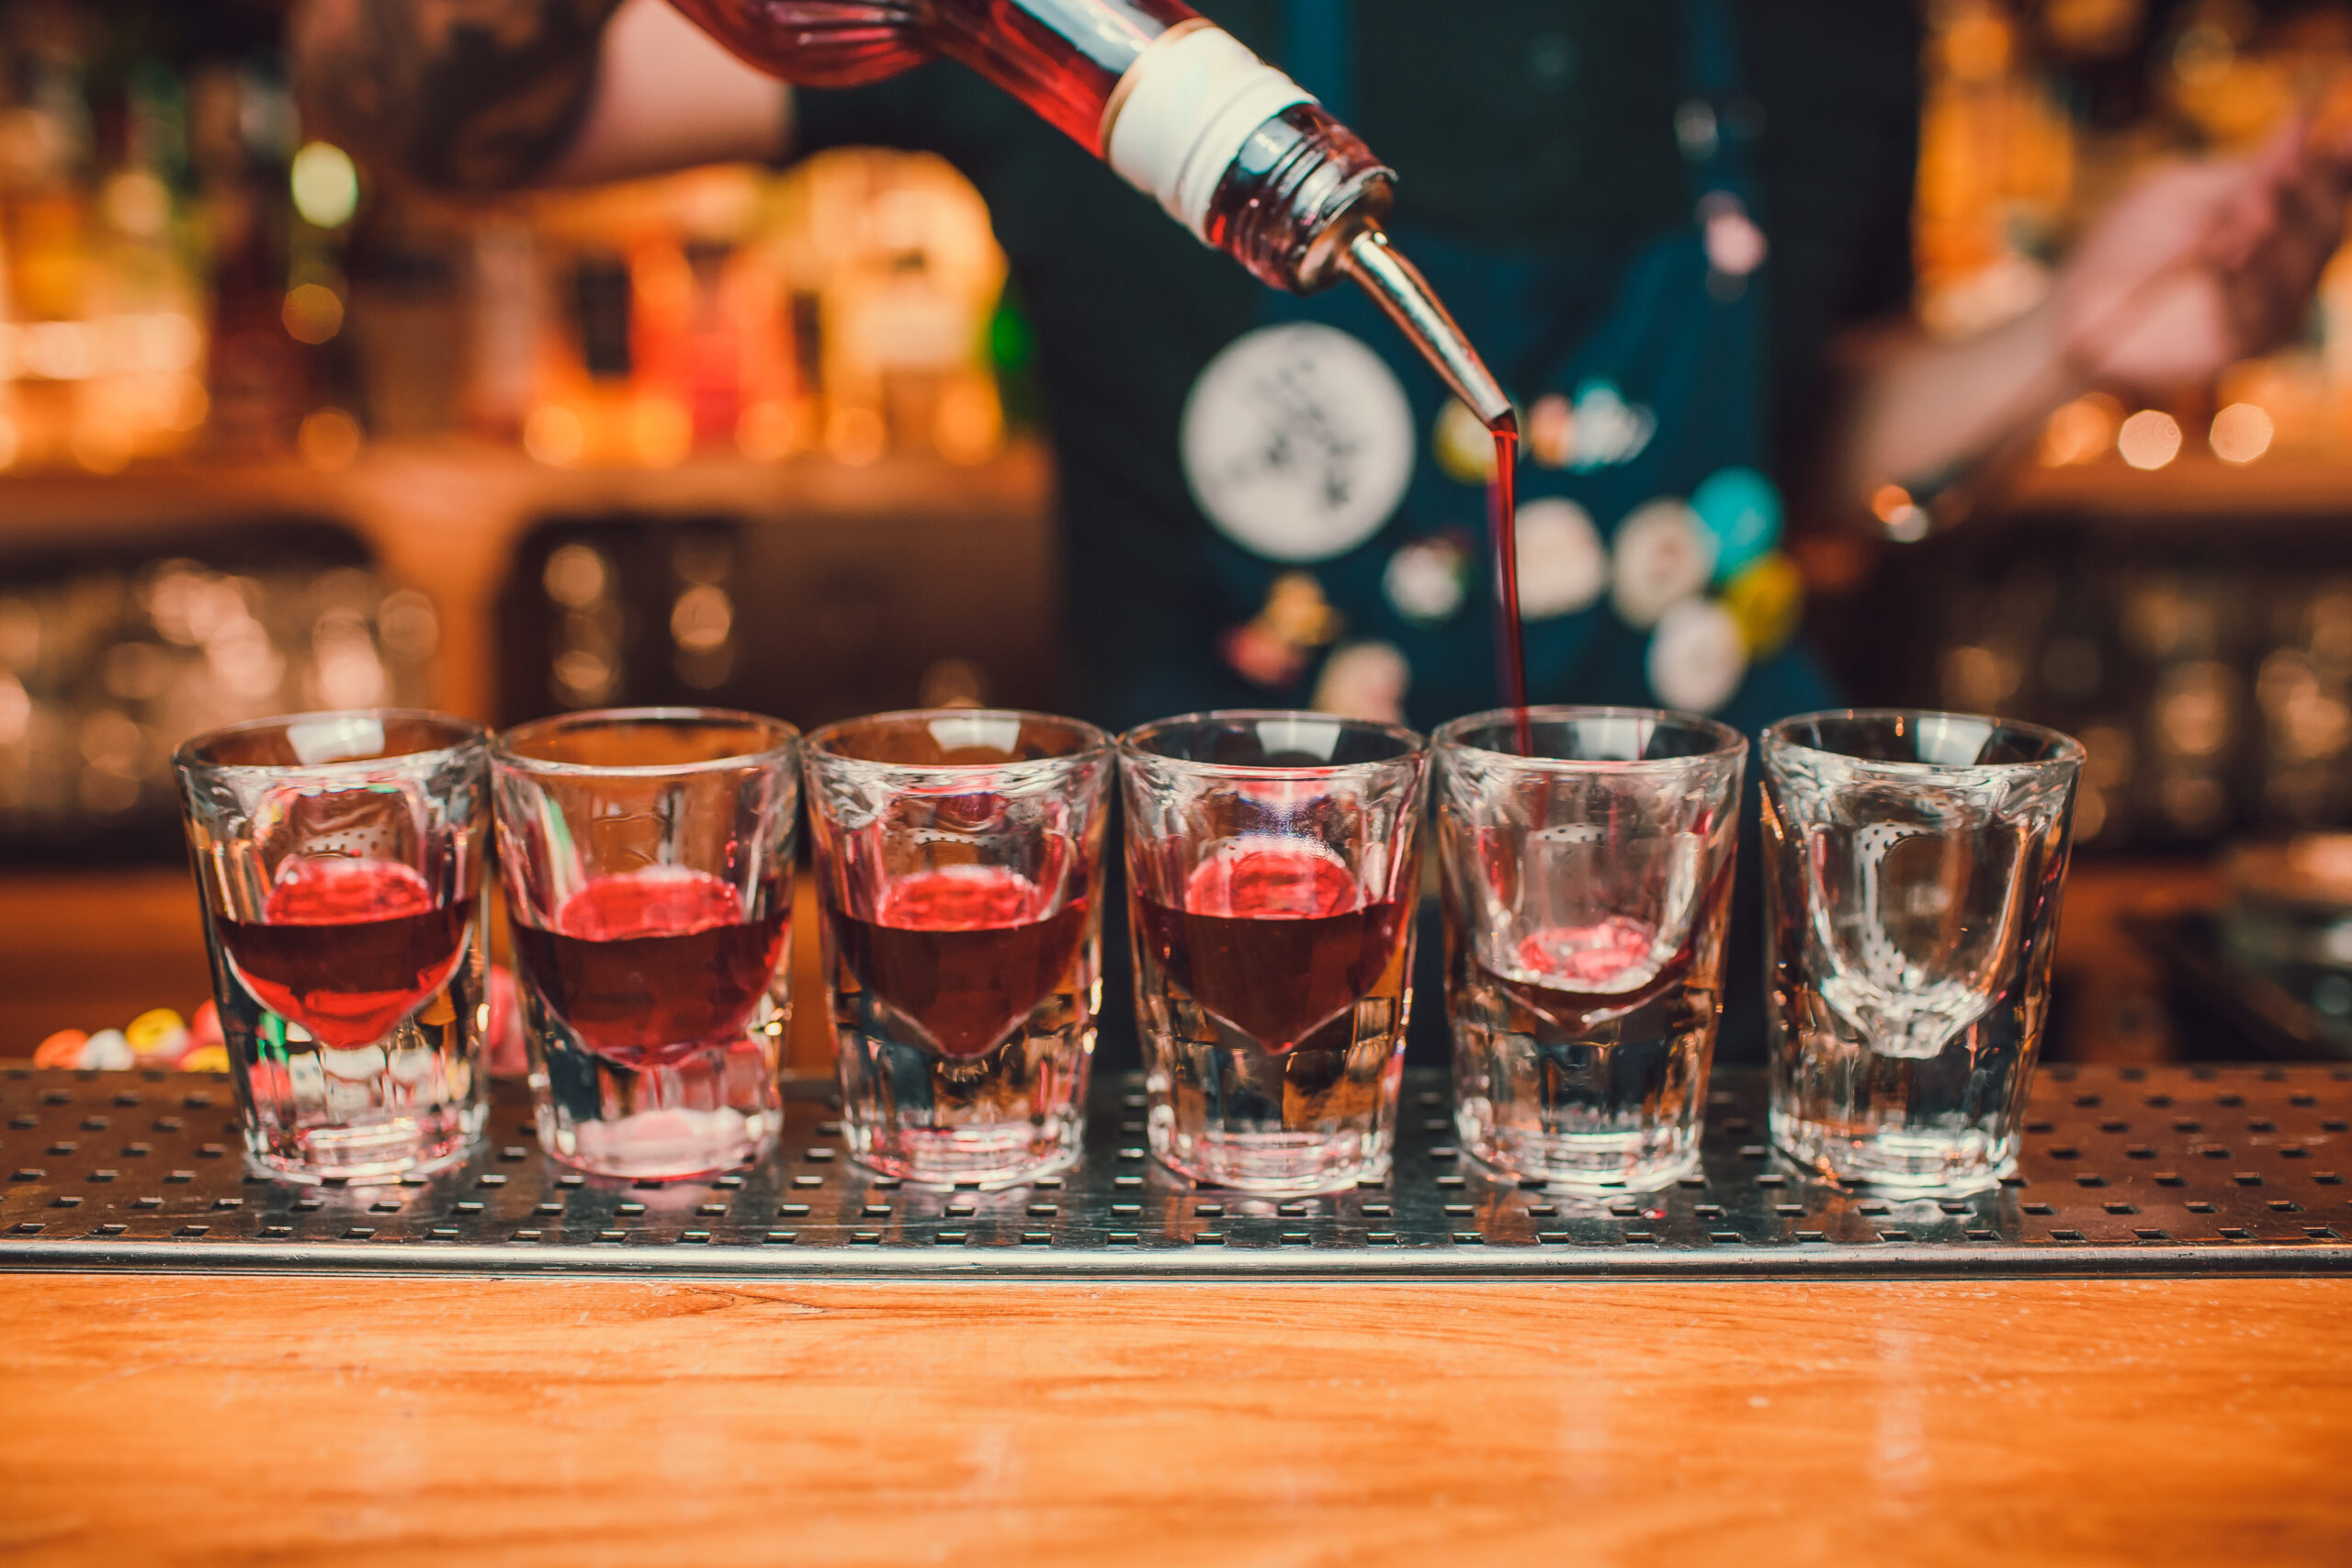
(1256, 168)
(1302, 186)
(1072, 62)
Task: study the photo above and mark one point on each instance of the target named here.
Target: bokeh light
(855, 436)
(312, 312)
(328, 439)
(325, 185)
(553, 436)
(2242, 433)
(2149, 439)
(1906, 520)
(2081, 431)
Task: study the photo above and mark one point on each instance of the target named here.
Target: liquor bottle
(1227, 145)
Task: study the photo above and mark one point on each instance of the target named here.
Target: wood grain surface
(581, 1422)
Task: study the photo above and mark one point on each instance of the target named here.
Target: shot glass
(1588, 884)
(1912, 867)
(958, 858)
(1272, 871)
(648, 859)
(340, 857)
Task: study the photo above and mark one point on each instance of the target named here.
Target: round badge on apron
(1297, 442)
(1563, 565)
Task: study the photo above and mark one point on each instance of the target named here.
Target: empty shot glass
(648, 856)
(1588, 884)
(959, 866)
(340, 857)
(1913, 866)
(1273, 873)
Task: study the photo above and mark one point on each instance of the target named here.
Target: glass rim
(821, 748)
(2064, 748)
(502, 753)
(1728, 741)
(465, 732)
(1130, 742)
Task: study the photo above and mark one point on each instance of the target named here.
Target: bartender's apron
(1346, 488)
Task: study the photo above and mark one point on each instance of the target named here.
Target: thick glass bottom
(1305, 1120)
(1009, 1115)
(1634, 1162)
(1618, 1109)
(1274, 1162)
(372, 1155)
(1948, 1164)
(717, 1108)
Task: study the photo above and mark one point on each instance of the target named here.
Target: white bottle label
(1183, 112)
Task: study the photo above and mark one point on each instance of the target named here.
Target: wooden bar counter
(371, 1420)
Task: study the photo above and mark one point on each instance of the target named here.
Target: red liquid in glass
(1502, 523)
(1277, 943)
(1572, 974)
(967, 952)
(650, 967)
(346, 948)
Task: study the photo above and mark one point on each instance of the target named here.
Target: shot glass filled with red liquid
(339, 856)
(1588, 857)
(1271, 877)
(648, 854)
(958, 857)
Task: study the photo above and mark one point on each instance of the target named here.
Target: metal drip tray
(2155, 1172)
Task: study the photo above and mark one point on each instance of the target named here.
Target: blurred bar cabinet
(472, 578)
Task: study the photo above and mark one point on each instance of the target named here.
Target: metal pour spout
(1400, 290)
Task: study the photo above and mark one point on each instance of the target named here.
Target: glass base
(1616, 1106)
(664, 1145)
(965, 1156)
(716, 1108)
(1634, 1162)
(1309, 1120)
(1289, 1163)
(413, 1102)
(1943, 1164)
(1008, 1115)
(372, 1156)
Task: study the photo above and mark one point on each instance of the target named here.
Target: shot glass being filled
(1912, 867)
(648, 855)
(1588, 881)
(1273, 872)
(958, 858)
(340, 859)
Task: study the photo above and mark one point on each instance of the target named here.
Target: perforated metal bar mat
(2162, 1171)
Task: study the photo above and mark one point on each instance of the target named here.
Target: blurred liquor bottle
(242, 137)
(100, 351)
(898, 252)
(843, 306)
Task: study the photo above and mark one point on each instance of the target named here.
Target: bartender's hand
(491, 94)
(2200, 264)
(2195, 266)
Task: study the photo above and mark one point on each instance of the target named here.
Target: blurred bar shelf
(2164, 1172)
(2193, 489)
(448, 516)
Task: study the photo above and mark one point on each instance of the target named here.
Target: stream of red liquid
(1502, 523)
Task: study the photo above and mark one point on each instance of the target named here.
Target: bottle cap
(1183, 111)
